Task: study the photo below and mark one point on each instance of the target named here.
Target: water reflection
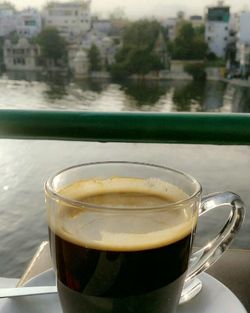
(95, 85)
(241, 101)
(28, 76)
(57, 85)
(145, 92)
(189, 97)
(57, 91)
(213, 100)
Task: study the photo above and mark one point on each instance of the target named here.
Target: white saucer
(214, 298)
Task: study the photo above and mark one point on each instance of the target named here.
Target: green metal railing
(197, 128)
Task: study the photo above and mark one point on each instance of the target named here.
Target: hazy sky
(139, 8)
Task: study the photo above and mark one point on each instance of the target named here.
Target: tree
(197, 70)
(142, 61)
(53, 46)
(142, 33)
(189, 43)
(231, 51)
(94, 57)
(137, 55)
(13, 37)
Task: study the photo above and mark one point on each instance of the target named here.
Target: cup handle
(211, 252)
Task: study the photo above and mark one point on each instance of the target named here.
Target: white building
(171, 25)
(104, 43)
(243, 42)
(21, 56)
(29, 23)
(217, 28)
(244, 27)
(71, 18)
(8, 20)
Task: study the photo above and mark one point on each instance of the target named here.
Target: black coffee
(120, 268)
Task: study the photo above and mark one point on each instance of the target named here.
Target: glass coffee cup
(121, 236)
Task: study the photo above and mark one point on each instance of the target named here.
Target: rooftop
(69, 4)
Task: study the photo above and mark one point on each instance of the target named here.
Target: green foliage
(197, 70)
(137, 55)
(53, 46)
(200, 31)
(142, 62)
(119, 71)
(144, 91)
(142, 33)
(189, 44)
(231, 51)
(189, 97)
(217, 62)
(14, 37)
(94, 57)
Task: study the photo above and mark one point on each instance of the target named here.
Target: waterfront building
(196, 21)
(102, 26)
(72, 18)
(217, 28)
(8, 19)
(29, 23)
(105, 45)
(81, 64)
(21, 56)
(243, 43)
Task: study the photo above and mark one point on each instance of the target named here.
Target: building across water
(72, 18)
(243, 43)
(217, 28)
(21, 56)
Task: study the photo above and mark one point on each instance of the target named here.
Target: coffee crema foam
(128, 227)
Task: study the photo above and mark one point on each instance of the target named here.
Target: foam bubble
(123, 230)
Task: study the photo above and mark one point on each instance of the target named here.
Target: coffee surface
(116, 214)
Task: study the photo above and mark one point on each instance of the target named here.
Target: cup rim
(49, 190)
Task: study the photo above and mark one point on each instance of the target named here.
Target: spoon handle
(26, 291)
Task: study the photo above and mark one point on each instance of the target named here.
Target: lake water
(25, 165)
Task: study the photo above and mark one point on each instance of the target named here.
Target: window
(209, 38)
(226, 28)
(66, 13)
(225, 38)
(30, 23)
